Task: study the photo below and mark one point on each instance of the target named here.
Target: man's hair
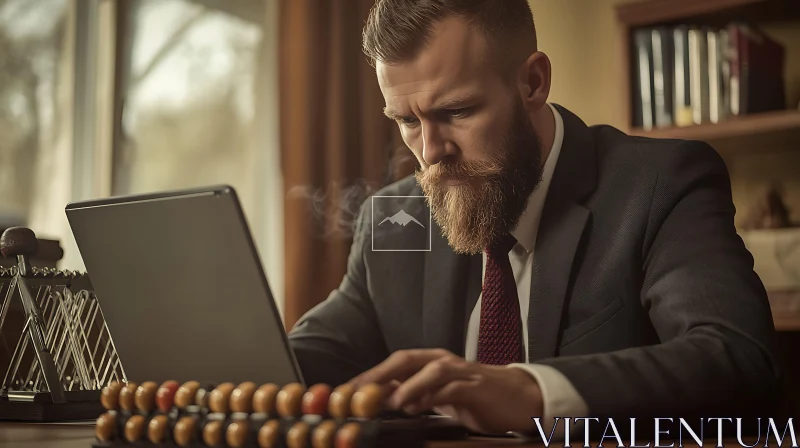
(396, 30)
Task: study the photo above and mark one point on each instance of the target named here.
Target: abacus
(247, 415)
(56, 352)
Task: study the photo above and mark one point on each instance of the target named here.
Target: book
(682, 106)
(661, 41)
(643, 105)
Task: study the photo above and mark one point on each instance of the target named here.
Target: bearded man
(572, 271)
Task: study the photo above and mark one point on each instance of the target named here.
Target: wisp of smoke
(333, 212)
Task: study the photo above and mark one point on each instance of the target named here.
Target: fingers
(453, 394)
(399, 366)
(417, 392)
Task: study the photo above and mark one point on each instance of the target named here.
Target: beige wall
(582, 39)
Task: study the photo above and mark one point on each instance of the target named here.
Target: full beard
(492, 194)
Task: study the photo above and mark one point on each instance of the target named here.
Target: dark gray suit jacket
(643, 295)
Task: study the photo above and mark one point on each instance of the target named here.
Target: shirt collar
(528, 226)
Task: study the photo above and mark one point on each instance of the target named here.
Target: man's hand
(486, 399)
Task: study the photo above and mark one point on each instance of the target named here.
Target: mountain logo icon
(401, 218)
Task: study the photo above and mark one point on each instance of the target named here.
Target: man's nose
(435, 146)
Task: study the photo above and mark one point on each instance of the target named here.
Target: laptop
(182, 289)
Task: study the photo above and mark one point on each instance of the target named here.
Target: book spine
(662, 77)
(643, 100)
(682, 107)
(698, 63)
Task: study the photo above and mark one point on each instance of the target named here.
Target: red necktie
(500, 334)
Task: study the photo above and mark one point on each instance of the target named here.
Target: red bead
(165, 397)
(315, 401)
(348, 435)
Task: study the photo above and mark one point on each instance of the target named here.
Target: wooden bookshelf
(757, 132)
(705, 11)
(786, 323)
(738, 133)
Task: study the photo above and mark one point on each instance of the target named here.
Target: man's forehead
(454, 56)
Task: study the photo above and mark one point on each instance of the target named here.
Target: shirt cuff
(559, 399)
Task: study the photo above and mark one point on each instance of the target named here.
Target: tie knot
(502, 245)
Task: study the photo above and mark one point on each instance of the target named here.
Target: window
(196, 84)
(35, 107)
(197, 107)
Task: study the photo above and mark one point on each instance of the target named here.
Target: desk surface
(82, 436)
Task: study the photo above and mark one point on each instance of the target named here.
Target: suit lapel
(561, 227)
(450, 282)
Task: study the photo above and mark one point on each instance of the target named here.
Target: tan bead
(367, 401)
(186, 394)
(109, 397)
(264, 398)
(348, 435)
(145, 397)
(236, 435)
(157, 428)
(242, 397)
(339, 402)
(219, 399)
(201, 397)
(106, 427)
(212, 433)
(324, 435)
(269, 434)
(134, 428)
(127, 396)
(297, 437)
(290, 400)
(184, 431)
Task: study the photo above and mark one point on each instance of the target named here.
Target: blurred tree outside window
(36, 64)
(199, 107)
(196, 84)
(189, 103)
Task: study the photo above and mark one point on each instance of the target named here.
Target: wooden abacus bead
(315, 401)
(237, 433)
(157, 428)
(297, 436)
(290, 399)
(165, 397)
(264, 398)
(109, 397)
(201, 397)
(19, 241)
(219, 398)
(324, 435)
(212, 433)
(184, 431)
(367, 401)
(242, 397)
(134, 428)
(348, 435)
(269, 434)
(127, 396)
(106, 427)
(145, 397)
(186, 394)
(339, 402)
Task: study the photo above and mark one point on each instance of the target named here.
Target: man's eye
(408, 121)
(458, 113)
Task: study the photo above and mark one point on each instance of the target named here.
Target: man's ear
(534, 80)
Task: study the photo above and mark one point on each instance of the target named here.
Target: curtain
(336, 145)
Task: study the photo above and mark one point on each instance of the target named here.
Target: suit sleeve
(340, 337)
(709, 308)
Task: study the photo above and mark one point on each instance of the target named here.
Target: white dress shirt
(560, 399)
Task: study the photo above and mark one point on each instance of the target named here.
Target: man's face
(470, 131)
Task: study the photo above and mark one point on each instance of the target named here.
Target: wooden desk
(14, 435)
